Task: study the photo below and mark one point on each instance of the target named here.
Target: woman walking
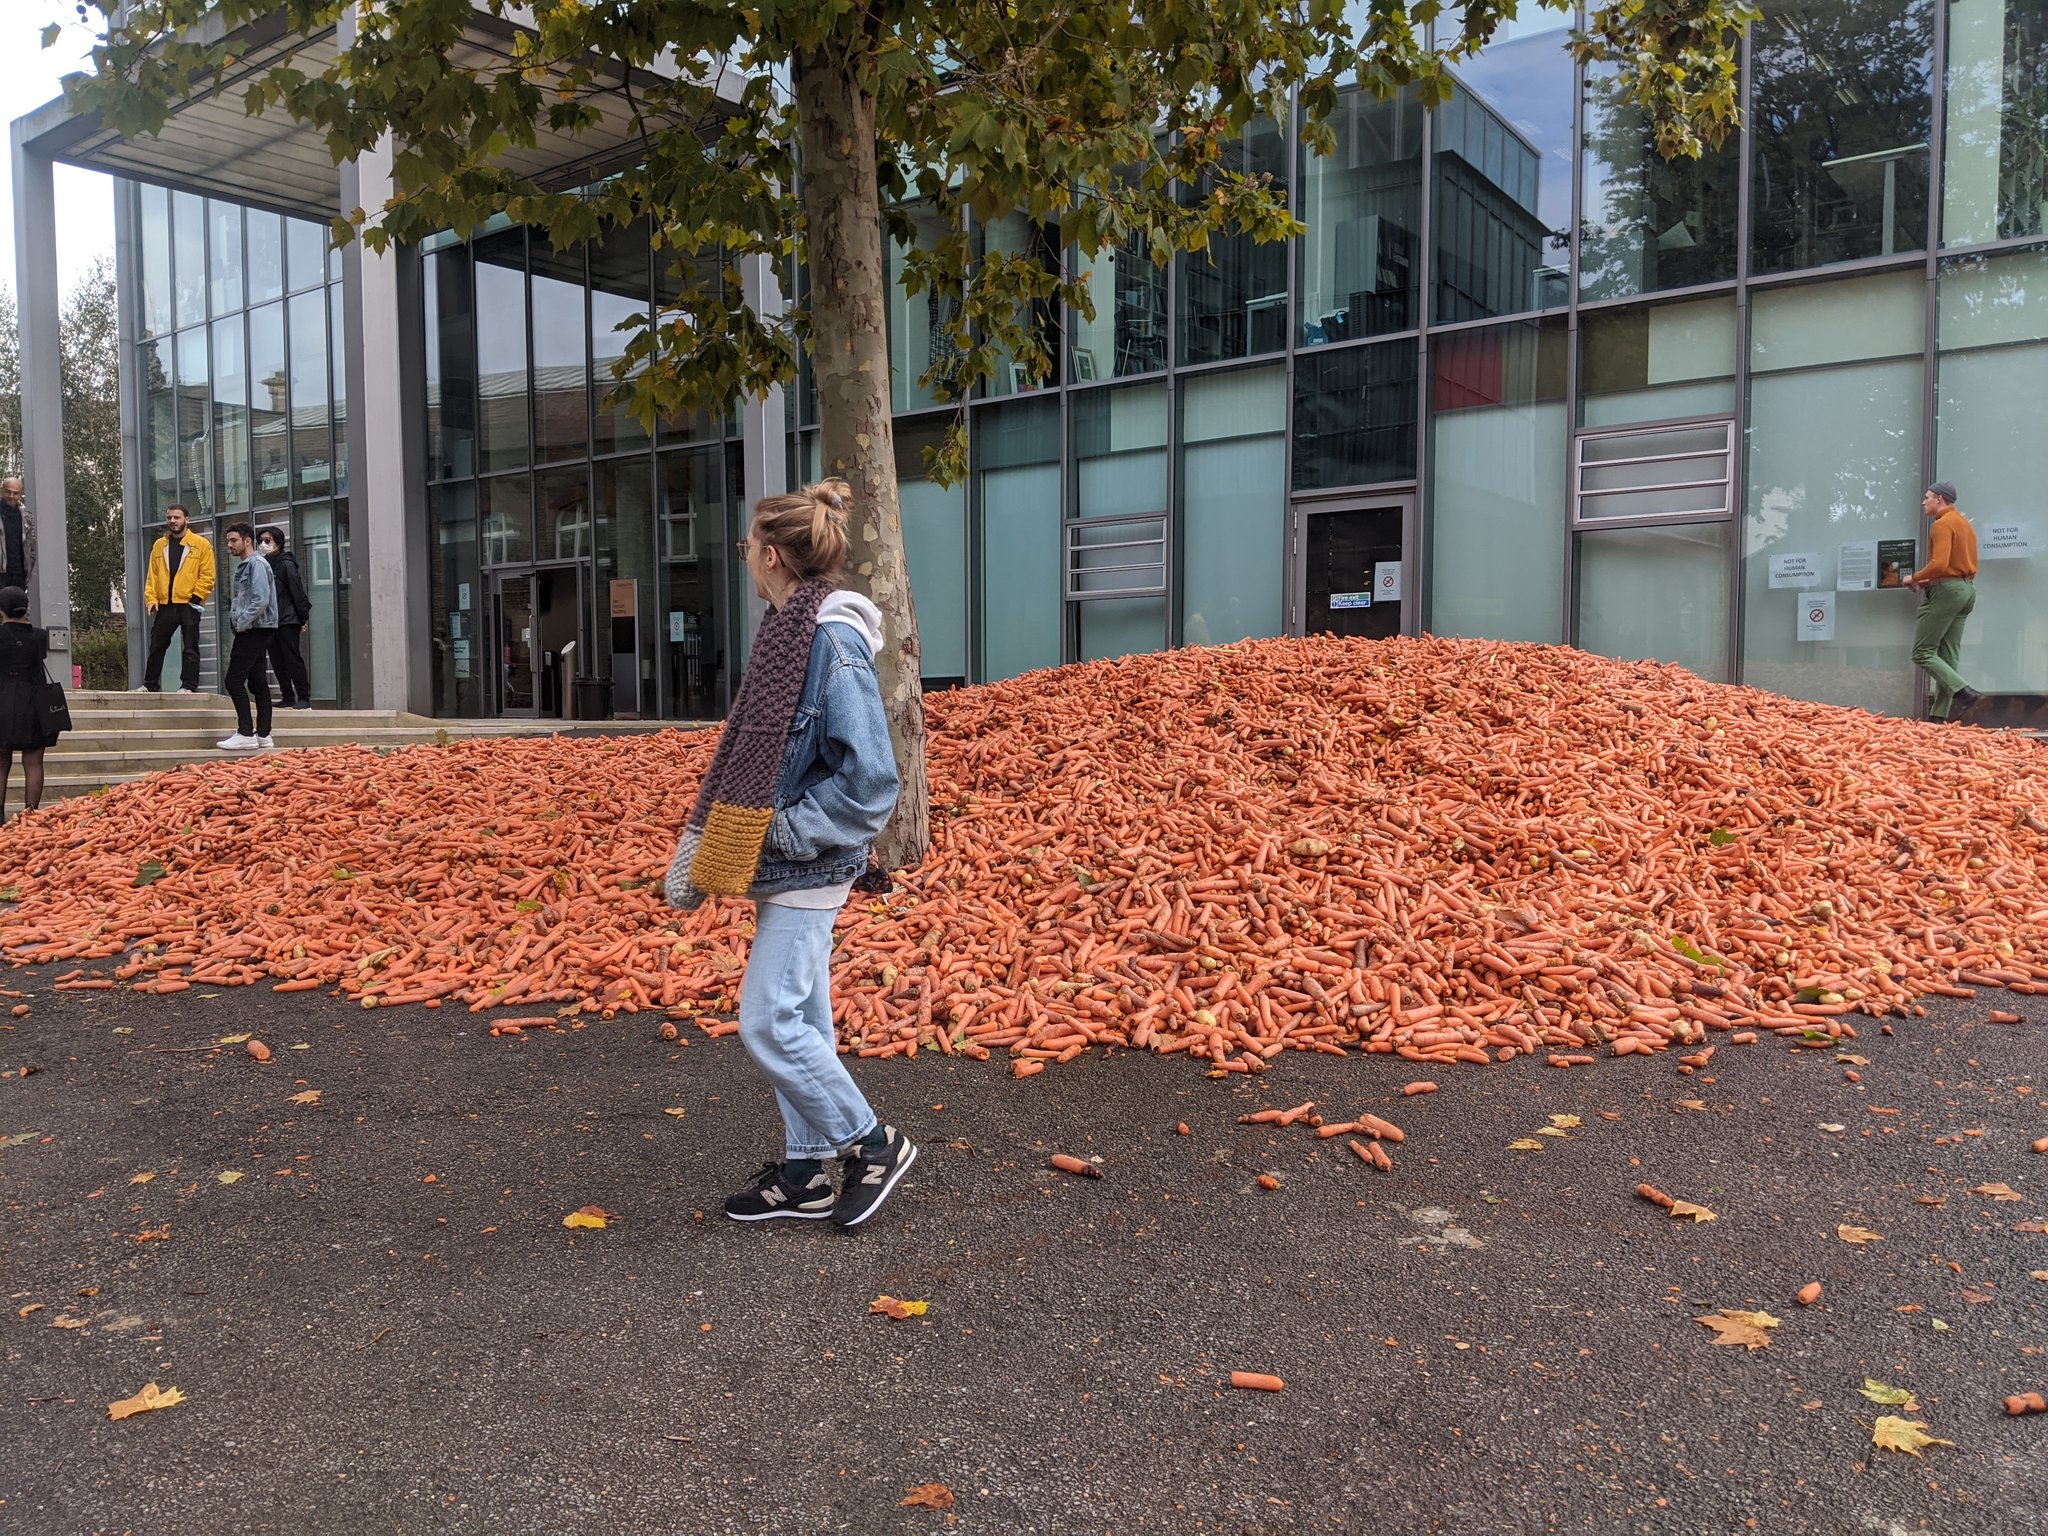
(22, 728)
(802, 781)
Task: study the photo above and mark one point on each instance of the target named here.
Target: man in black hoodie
(295, 610)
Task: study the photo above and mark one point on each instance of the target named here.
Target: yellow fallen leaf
(232, 1176)
(68, 1322)
(1525, 1144)
(1695, 1104)
(1853, 1059)
(1699, 1213)
(310, 1096)
(1891, 1433)
(1565, 1122)
(232, 1039)
(2038, 1274)
(927, 1496)
(34, 1306)
(889, 1306)
(142, 1402)
(1551, 1130)
(1892, 1397)
(1997, 1191)
(593, 1217)
(678, 1113)
(1857, 1235)
(144, 1177)
(1734, 1327)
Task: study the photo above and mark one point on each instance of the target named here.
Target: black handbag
(53, 710)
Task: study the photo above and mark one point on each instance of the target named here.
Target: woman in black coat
(22, 728)
(294, 610)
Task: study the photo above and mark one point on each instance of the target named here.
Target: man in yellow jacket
(1947, 584)
(179, 582)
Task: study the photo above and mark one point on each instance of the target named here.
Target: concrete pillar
(764, 428)
(42, 396)
(388, 602)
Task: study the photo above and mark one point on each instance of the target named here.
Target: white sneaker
(266, 743)
(240, 743)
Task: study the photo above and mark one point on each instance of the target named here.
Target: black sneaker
(773, 1195)
(869, 1180)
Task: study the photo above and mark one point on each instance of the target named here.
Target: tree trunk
(850, 361)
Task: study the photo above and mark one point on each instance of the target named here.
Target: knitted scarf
(720, 850)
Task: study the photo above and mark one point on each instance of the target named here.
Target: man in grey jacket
(17, 539)
(252, 614)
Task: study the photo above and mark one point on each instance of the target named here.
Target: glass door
(538, 638)
(1349, 576)
(514, 676)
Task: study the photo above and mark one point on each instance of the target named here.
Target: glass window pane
(306, 253)
(1503, 208)
(621, 280)
(920, 324)
(224, 255)
(154, 235)
(705, 272)
(696, 545)
(195, 425)
(935, 544)
(188, 238)
(311, 386)
(1354, 416)
(626, 611)
(505, 520)
(561, 360)
(1128, 334)
(1497, 497)
(158, 370)
(1659, 362)
(1815, 324)
(1016, 449)
(1233, 296)
(461, 651)
(501, 351)
(1995, 181)
(1841, 113)
(266, 255)
(269, 424)
(1359, 266)
(337, 322)
(230, 415)
(1119, 442)
(1015, 235)
(1647, 222)
(1233, 505)
(450, 342)
(1994, 352)
(1658, 594)
(562, 515)
(323, 562)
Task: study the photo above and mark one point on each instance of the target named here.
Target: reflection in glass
(1359, 264)
(1840, 113)
(1498, 439)
(626, 609)
(1015, 234)
(692, 627)
(501, 351)
(561, 361)
(1658, 594)
(266, 255)
(450, 341)
(154, 235)
(1017, 522)
(1128, 334)
(1119, 471)
(188, 240)
(505, 520)
(1233, 505)
(1354, 416)
(157, 367)
(230, 415)
(920, 324)
(1995, 180)
(269, 425)
(1649, 223)
(620, 282)
(1657, 362)
(224, 253)
(305, 253)
(1233, 296)
(337, 320)
(195, 424)
(935, 546)
(704, 272)
(312, 430)
(323, 562)
(459, 647)
(563, 526)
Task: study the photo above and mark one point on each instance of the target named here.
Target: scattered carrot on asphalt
(1070, 1164)
(2026, 1402)
(1256, 1381)
(1447, 851)
(1809, 1293)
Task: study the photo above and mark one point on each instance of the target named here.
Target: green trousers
(1938, 638)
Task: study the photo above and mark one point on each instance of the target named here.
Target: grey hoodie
(856, 612)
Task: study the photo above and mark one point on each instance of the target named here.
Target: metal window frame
(1580, 522)
(1072, 547)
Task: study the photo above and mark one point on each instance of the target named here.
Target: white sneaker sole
(791, 1213)
(887, 1189)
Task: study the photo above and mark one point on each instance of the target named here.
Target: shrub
(101, 652)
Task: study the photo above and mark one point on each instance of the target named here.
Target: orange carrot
(1809, 1293)
(1067, 1164)
(1409, 1090)
(1256, 1381)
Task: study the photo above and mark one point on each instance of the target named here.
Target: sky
(85, 199)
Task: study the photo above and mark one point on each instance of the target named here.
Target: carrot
(2025, 1402)
(1256, 1381)
(1267, 1181)
(1409, 1090)
(1067, 1164)
(1655, 1196)
(257, 1050)
(2002, 1016)
(2041, 1145)
(1809, 1293)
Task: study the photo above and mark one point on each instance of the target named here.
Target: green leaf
(1720, 837)
(1878, 1392)
(10, 893)
(149, 872)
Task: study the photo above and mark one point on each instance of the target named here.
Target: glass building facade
(235, 329)
(1518, 377)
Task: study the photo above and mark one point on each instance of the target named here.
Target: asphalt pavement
(384, 1326)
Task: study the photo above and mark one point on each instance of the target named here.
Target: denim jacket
(254, 602)
(839, 780)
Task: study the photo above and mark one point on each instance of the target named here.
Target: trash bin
(593, 698)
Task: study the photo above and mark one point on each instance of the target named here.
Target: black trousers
(245, 665)
(173, 619)
(294, 686)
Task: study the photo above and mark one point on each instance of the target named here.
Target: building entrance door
(536, 635)
(1349, 575)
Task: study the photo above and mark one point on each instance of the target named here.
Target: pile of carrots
(1446, 850)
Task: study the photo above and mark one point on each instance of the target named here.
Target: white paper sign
(461, 649)
(1816, 615)
(678, 626)
(2006, 541)
(1386, 582)
(1856, 567)
(1801, 570)
(462, 595)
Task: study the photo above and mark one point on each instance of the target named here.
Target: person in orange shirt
(1947, 585)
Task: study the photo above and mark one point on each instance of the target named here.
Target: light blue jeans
(786, 1026)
